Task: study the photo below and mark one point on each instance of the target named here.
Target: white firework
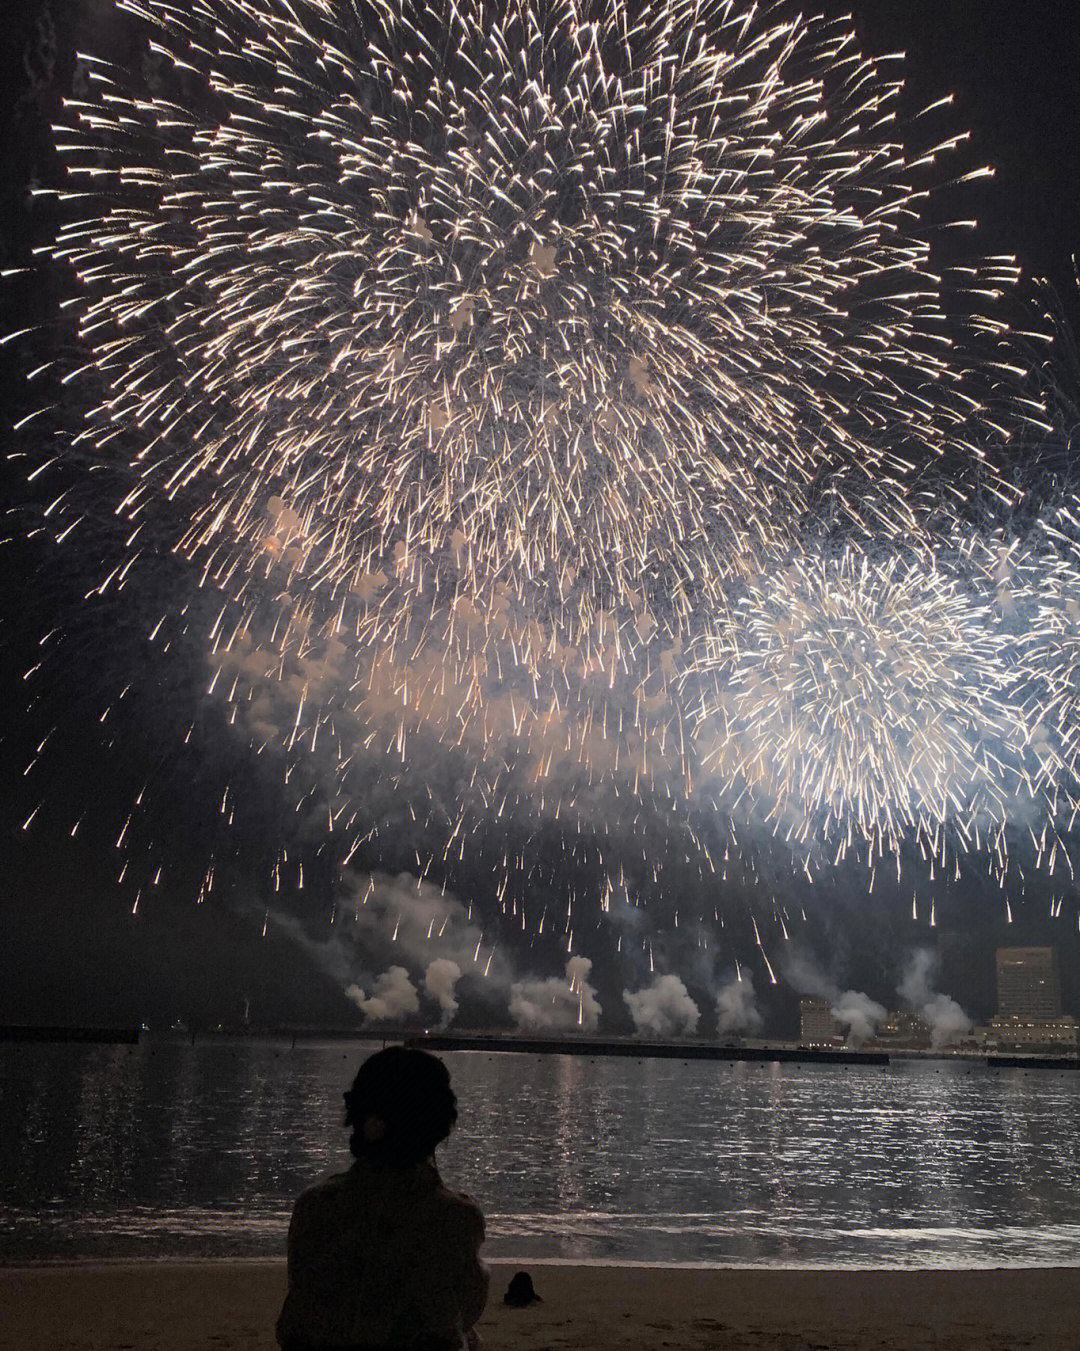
(542, 294)
(854, 694)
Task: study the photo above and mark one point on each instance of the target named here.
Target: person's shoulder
(460, 1209)
(325, 1190)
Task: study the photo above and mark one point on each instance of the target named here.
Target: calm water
(167, 1148)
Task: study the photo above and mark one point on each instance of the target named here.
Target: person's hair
(409, 1091)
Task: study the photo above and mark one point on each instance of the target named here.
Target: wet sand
(221, 1305)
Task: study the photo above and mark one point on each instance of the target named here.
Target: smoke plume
(439, 981)
(946, 1019)
(663, 1009)
(394, 996)
(736, 1007)
(557, 1005)
(859, 1014)
(853, 1010)
(805, 976)
(420, 921)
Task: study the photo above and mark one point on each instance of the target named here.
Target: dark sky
(1015, 72)
(69, 952)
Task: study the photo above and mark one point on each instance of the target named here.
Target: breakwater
(635, 1046)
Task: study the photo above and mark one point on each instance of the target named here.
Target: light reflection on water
(168, 1148)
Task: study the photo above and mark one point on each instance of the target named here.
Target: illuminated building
(1029, 1003)
(1024, 1034)
(817, 1026)
(903, 1031)
(1028, 984)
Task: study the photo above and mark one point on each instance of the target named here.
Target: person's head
(400, 1106)
(520, 1292)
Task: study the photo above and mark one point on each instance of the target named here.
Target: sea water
(170, 1148)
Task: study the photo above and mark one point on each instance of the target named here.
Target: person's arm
(286, 1329)
(475, 1279)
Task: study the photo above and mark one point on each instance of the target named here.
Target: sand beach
(231, 1306)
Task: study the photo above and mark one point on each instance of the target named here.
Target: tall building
(817, 1026)
(1028, 984)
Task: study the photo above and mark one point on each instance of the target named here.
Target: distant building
(1029, 1016)
(817, 1026)
(1028, 984)
(1033, 1034)
(903, 1031)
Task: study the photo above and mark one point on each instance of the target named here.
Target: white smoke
(805, 976)
(394, 996)
(917, 981)
(852, 1009)
(379, 915)
(627, 919)
(736, 1007)
(439, 981)
(859, 1014)
(663, 1009)
(331, 955)
(557, 1005)
(425, 923)
(946, 1019)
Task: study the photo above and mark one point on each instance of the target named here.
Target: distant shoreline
(639, 1047)
(584, 1044)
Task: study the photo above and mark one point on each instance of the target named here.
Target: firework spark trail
(478, 359)
(527, 294)
(580, 751)
(1032, 580)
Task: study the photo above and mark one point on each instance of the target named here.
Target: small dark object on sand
(520, 1292)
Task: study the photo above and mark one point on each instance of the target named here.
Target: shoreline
(184, 1304)
(555, 1263)
(748, 1051)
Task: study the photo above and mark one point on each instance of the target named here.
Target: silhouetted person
(520, 1293)
(384, 1256)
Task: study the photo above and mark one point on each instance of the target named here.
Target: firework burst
(474, 360)
(538, 294)
(859, 693)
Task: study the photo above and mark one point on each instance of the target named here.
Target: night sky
(70, 949)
